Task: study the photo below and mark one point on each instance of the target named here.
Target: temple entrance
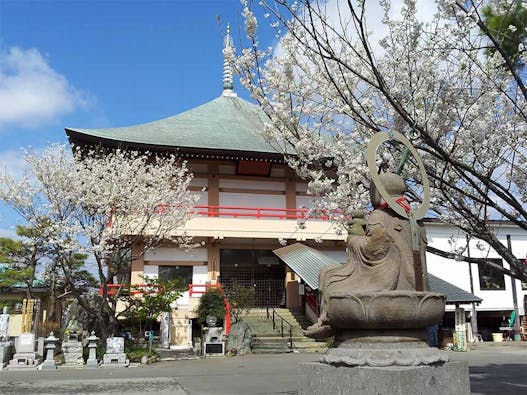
(259, 269)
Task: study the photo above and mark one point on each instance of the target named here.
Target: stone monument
(92, 362)
(72, 349)
(115, 356)
(6, 345)
(51, 344)
(25, 356)
(165, 330)
(213, 341)
(378, 305)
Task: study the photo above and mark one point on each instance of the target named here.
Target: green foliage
(211, 303)
(157, 297)
(13, 272)
(135, 352)
(241, 300)
(499, 25)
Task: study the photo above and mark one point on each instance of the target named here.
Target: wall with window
(493, 287)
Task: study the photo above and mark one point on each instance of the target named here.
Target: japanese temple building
(250, 204)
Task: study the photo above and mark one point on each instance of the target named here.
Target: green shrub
(211, 303)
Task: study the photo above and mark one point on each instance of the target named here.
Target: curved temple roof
(226, 123)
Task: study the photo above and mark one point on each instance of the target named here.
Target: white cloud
(338, 15)
(9, 233)
(31, 92)
(12, 162)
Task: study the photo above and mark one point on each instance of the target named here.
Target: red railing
(245, 212)
(251, 212)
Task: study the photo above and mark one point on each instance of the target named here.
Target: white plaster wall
(457, 273)
(151, 271)
(200, 274)
(248, 184)
(304, 201)
(176, 254)
(252, 200)
(203, 199)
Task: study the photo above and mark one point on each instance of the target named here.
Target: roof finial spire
(228, 57)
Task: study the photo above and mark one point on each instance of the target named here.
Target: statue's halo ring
(375, 142)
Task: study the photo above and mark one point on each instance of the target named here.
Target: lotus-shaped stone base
(385, 310)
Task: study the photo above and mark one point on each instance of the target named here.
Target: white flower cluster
(99, 202)
(329, 86)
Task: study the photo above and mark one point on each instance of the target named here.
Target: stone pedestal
(25, 357)
(384, 362)
(444, 379)
(115, 356)
(72, 351)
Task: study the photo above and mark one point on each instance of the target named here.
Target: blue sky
(92, 64)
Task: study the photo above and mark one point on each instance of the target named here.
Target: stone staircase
(269, 340)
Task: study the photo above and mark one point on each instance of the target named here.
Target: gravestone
(25, 357)
(115, 356)
(72, 350)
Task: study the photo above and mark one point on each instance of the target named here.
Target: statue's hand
(356, 227)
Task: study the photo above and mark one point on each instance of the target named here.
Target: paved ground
(492, 372)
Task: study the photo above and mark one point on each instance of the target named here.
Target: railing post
(274, 325)
(282, 327)
(290, 336)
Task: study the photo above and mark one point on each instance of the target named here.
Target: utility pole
(516, 323)
(474, 313)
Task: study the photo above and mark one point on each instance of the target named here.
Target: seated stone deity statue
(379, 260)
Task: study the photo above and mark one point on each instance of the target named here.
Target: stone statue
(4, 325)
(379, 260)
(378, 306)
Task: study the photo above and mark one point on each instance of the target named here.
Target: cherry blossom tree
(101, 203)
(339, 74)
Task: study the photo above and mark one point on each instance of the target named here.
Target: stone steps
(268, 340)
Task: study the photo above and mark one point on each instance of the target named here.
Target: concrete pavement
(492, 372)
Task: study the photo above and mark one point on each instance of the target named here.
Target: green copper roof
(226, 123)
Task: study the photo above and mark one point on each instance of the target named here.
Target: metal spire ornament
(228, 56)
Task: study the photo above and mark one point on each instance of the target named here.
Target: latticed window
(489, 277)
(259, 269)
